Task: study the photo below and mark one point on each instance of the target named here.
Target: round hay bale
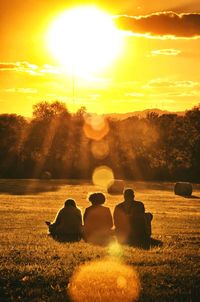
(183, 188)
(117, 187)
(46, 175)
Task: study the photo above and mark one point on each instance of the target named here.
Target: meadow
(34, 267)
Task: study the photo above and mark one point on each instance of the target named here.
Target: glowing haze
(111, 57)
(84, 40)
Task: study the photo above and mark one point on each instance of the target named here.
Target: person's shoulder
(119, 205)
(139, 205)
(88, 209)
(106, 208)
(76, 209)
(61, 210)
(139, 202)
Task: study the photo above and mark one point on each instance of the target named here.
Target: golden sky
(158, 66)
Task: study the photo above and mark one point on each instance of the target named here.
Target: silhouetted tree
(164, 147)
(47, 138)
(12, 133)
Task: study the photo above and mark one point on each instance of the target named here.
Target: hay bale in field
(46, 175)
(117, 187)
(183, 188)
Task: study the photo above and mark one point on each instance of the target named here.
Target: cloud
(32, 69)
(50, 69)
(162, 24)
(21, 90)
(164, 83)
(7, 66)
(165, 52)
(20, 66)
(175, 94)
(184, 94)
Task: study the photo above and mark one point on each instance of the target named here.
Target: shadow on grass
(192, 197)
(27, 186)
(155, 243)
(33, 287)
(36, 186)
(160, 186)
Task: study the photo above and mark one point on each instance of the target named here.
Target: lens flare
(103, 177)
(100, 149)
(106, 281)
(115, 250)
(95, 127)
(121, 282)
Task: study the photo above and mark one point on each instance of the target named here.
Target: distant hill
(142, 113)
(123, 116)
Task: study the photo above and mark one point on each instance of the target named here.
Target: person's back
(130, 223)
(138, 235)
(97, 220)
(68, 223)
(69, 220)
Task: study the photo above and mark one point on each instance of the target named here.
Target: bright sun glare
(84, 40)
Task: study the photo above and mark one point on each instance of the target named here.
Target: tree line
(157, 147)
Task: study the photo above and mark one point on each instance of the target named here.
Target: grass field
(34, 267)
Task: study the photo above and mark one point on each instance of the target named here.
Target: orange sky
(158, 67)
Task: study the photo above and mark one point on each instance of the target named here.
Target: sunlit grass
(33, 267)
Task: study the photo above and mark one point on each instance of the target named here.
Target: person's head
(97, 198)
(129, 194)
(70, 202)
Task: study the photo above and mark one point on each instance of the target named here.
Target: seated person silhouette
(67, 224)
(97, 221)
(131, 224)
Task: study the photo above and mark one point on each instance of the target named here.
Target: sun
(84, 40)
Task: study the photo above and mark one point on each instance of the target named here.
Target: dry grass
(33, 267)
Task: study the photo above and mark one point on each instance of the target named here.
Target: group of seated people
(132, 225)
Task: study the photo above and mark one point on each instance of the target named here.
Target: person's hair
(70, 202)
(129, 193)
(97, 198)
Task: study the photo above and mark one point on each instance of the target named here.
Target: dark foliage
(165, 147)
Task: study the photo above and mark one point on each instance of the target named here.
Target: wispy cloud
(164, 83)
(50, 69)
(165, 52)
(32, 69)
(185, 94)
(162, 24)
(21, 90)
(7, 66)
(18, 66)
